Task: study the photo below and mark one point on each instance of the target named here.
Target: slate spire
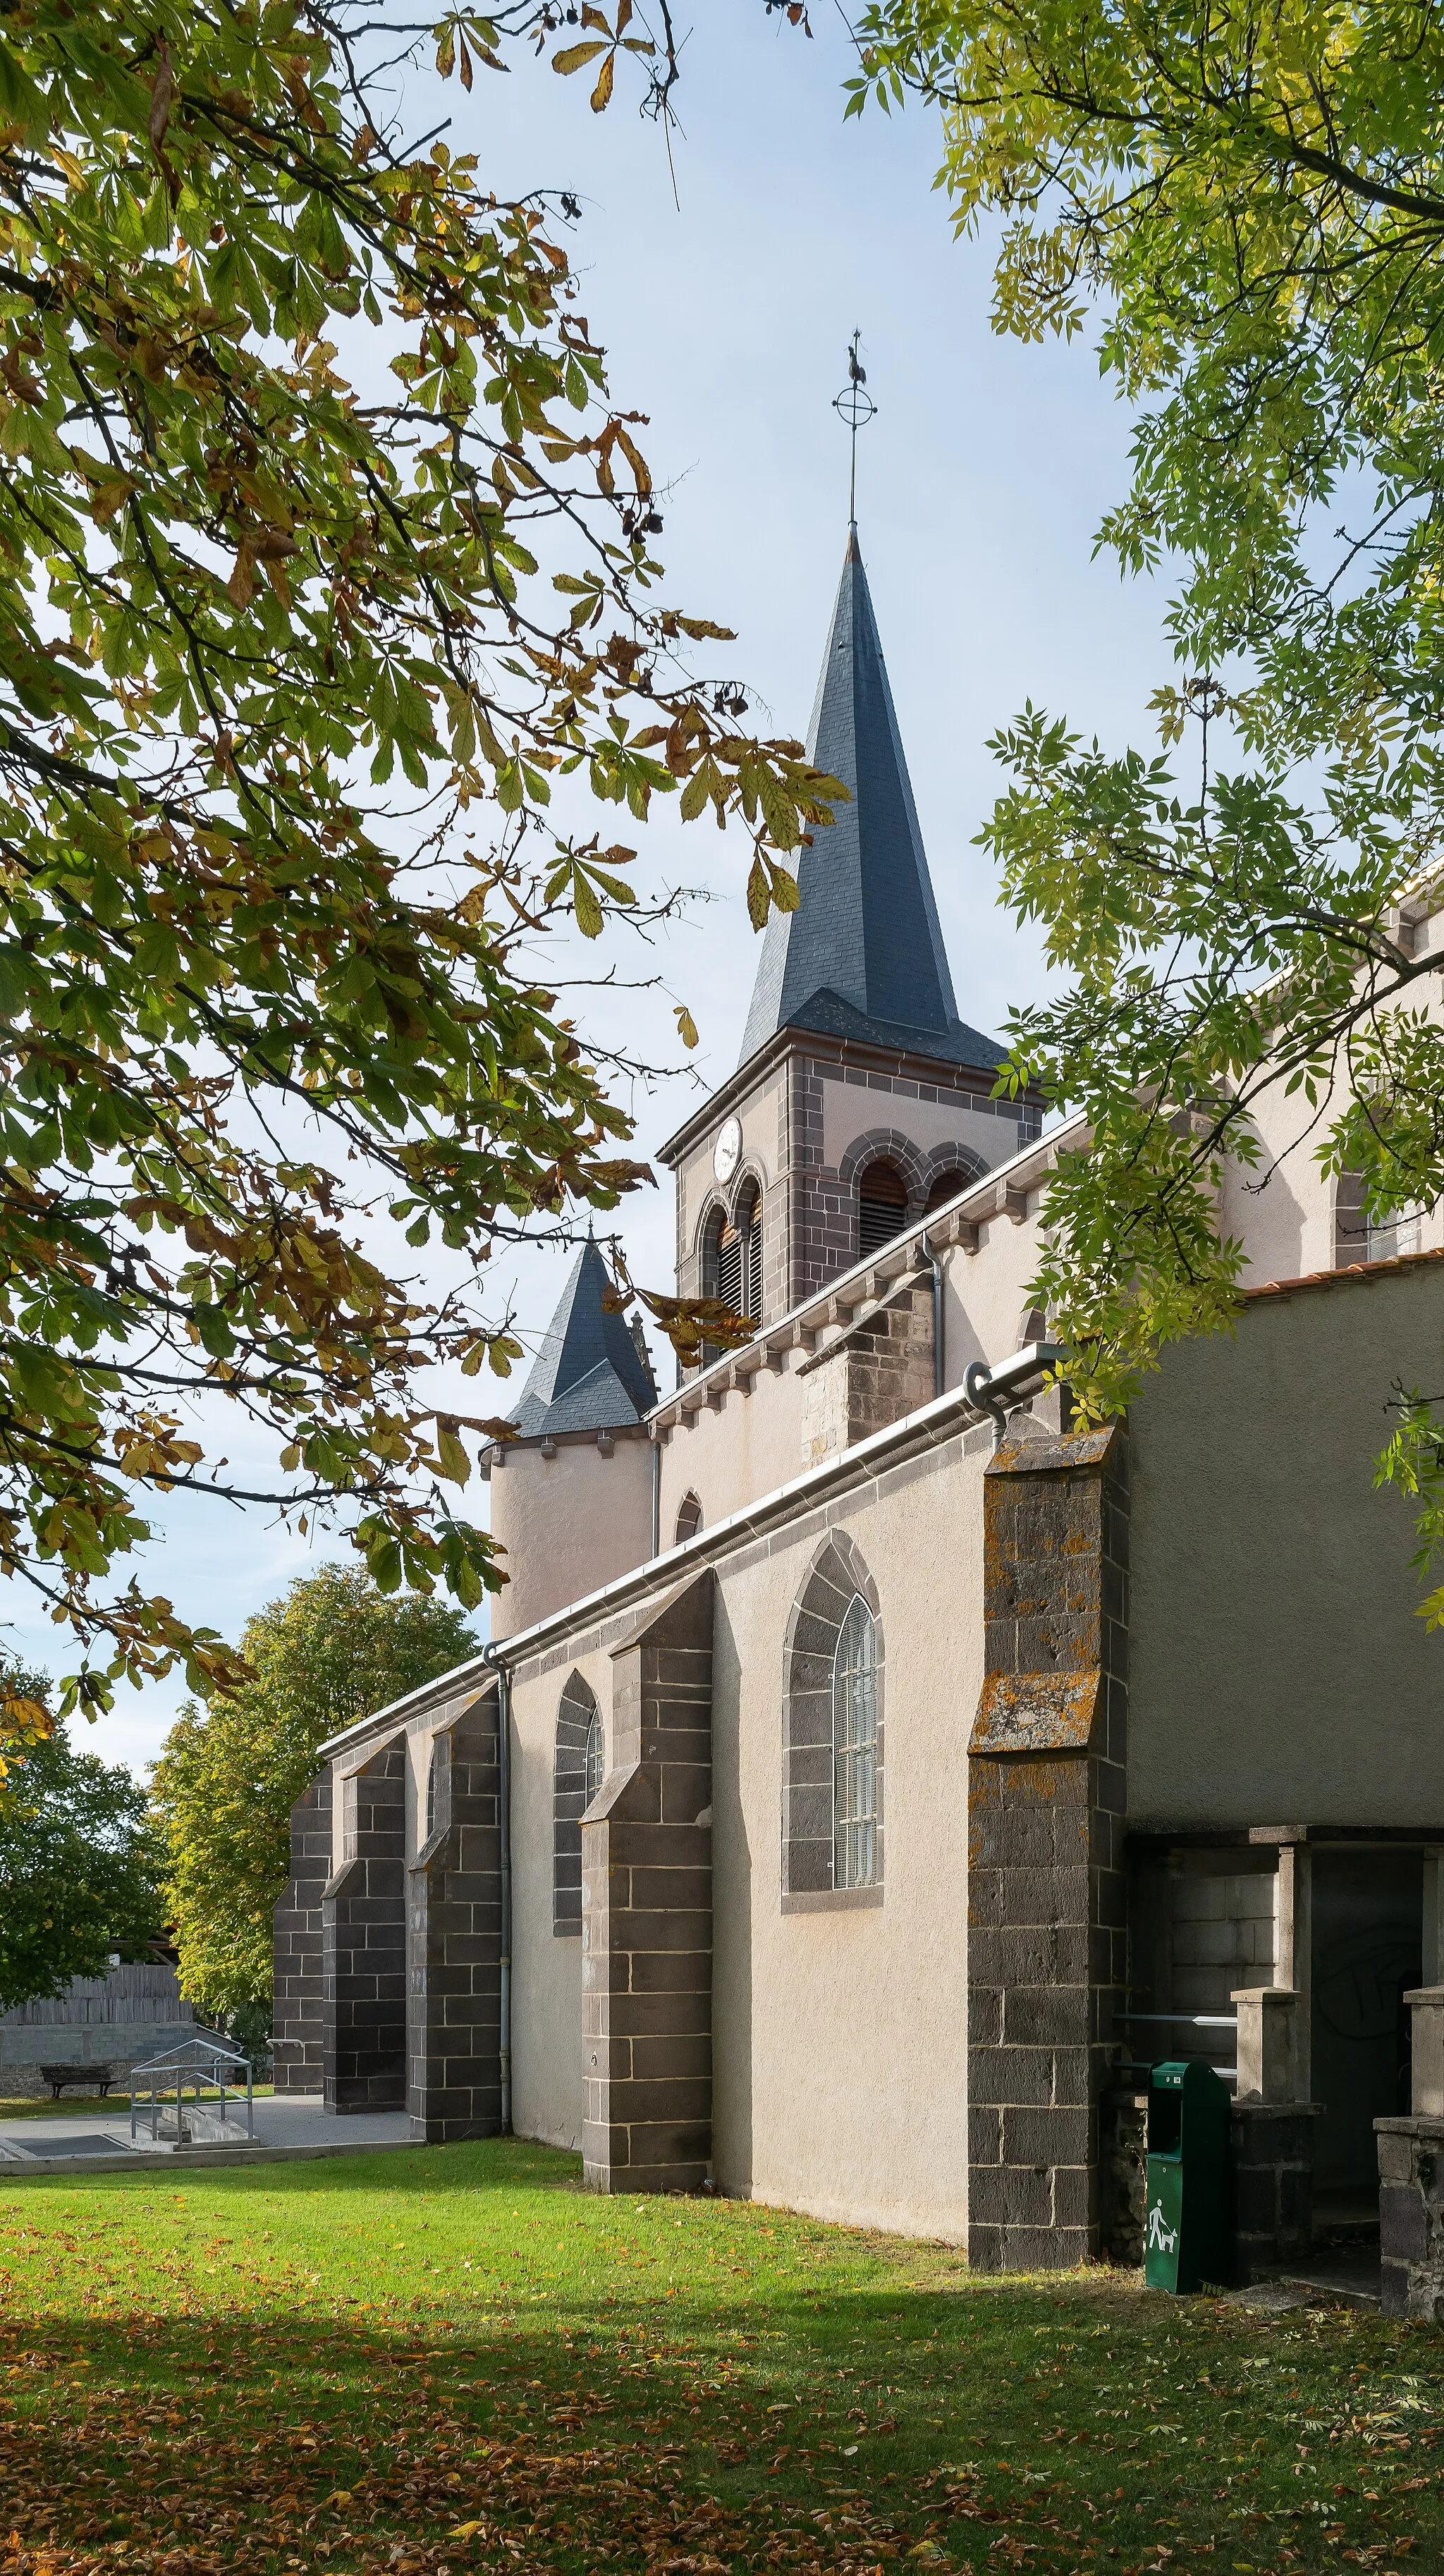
(589, 1374)
(863, 954)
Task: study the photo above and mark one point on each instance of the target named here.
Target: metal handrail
(193, 2067)
(1195, 2021)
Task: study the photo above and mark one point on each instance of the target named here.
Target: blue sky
(981, 483)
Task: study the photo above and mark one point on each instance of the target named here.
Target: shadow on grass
(672, 2386)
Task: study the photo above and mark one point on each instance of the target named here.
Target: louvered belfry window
(854, 1749)
(739, 1259)
(882, 1208)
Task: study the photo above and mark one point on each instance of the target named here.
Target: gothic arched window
(854, 1749)
(596, 1756)
(882, 1207)
(832, 1836)
(689, 1519)
(578, 1770)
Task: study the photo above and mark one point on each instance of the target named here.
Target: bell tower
(862, 1099)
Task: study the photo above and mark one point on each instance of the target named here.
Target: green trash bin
(1185, 2209)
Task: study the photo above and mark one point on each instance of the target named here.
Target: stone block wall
(1411, 2217)
(1272, 2190)
(453, 2033)
(363, 1960)
(298, 2042)
(647, 1914)
(881, 1371)
(1122, 2173)
(1047, 1914)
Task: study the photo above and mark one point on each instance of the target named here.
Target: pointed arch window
(854, 1749)
(596, 1756)
(689, 1519)
(833, 1667)
(882, 1207)
(578, 1769)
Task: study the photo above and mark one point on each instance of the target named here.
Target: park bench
(94, 2079)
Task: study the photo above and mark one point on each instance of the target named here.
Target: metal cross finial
(854, 405)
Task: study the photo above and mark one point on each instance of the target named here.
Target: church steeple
(863, 955)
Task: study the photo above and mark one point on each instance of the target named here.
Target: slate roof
(588, 1374)
(863, 954)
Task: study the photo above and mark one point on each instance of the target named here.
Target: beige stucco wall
(1282, 1208)
(1279, 1674)
(546, 2045)
(841, 2032)
(752, 1442)
(728, 1455)
(569, 1524)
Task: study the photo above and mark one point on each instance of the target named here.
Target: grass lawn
(455, 2359)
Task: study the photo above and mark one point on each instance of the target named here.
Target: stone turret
(571, 1498)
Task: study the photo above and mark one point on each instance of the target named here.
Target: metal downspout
(656, 1495)
(939, 1355)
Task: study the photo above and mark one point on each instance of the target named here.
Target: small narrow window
(882, 1208)
(1359, 1237)
(749, 1268)
(854, 1749)
(689, 1519)
(579, 1753)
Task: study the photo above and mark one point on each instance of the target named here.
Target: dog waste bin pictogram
(1185, 2209)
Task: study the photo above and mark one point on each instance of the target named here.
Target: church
(870, 1775)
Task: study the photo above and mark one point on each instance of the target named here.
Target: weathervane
(854, 405)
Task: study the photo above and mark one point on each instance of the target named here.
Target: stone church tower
(862, 1103)
(861, 1100)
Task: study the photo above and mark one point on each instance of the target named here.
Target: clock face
(727, 1152)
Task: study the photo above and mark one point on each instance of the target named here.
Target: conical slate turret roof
(589, 1374)
(863, 954)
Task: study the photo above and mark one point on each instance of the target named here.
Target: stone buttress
(1046, 1888)
(453, 2015)
(647, 1914)
(298, 2045)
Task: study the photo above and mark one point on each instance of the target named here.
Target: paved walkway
(290, 2124)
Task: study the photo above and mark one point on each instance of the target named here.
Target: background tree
(330, 1651)
(287, 672)
(80, 1865)
(1251, 201)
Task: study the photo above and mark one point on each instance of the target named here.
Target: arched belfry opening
(732, 1256)
(882, 1206)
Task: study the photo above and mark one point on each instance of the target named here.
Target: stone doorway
(1367, 1952)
